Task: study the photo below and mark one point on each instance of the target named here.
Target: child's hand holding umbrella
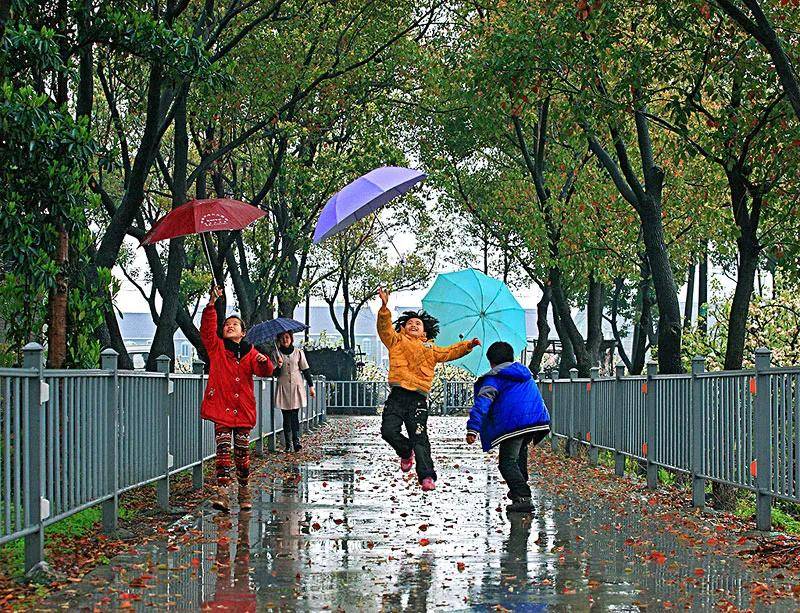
(384, 296)
(215, 293)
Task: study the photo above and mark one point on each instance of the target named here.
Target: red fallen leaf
(370, 544)
(195, 562)
(460, 566)
(657, 557)
(758, 588)
(338, 521)
(742, 540)
(424, 542)
(297, 576)
(423, 527)
(173, 548)
(315, 526)
(141, 581)
(129, 596)
(699, 572)
(324, 484)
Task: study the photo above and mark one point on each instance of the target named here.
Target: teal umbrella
(469, 304)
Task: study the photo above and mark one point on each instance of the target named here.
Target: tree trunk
(543, 328)
(669, 313)
(688, 307)
(567, 324)
(702, 291)
(567, 360)
(57, 307)
(594, 320)
(740, 306)
(163, 342)
(645, 323)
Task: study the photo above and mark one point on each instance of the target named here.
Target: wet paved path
(349, 531)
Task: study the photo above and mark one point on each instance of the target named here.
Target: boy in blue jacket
(509, 411)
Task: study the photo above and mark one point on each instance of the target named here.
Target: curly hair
(429, 322)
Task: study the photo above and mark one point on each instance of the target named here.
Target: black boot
(520, 505)
(297, 445)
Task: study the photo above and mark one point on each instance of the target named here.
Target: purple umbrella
(363, 196)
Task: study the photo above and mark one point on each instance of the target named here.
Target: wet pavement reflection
(349, 531)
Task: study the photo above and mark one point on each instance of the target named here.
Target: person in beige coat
(290, 395)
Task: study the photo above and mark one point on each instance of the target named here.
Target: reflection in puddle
(349, 531)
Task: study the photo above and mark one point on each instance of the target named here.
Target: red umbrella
(202, 216)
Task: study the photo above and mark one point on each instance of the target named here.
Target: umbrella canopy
(266, 331)
(198, 216)
(469, 304)
(364, 196)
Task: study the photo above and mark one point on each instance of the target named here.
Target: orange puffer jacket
(411, 361)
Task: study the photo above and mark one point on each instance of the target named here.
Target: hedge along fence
(740, 428)
(72, 439)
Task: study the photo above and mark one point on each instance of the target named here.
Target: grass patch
(12, 555)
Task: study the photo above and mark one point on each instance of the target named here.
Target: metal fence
(740, 428)
(72, 439)
(366, 397)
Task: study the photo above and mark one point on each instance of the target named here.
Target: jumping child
(412, 359)
(509, 411)
(229, 401)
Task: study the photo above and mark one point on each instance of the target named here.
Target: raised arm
(386, 331)
(208, 324)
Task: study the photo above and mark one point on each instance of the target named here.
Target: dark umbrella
(201, 217)
(266, 331)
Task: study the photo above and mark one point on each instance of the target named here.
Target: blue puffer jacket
(507, 403)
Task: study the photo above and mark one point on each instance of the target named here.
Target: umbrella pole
(391, 242)
(207, 251)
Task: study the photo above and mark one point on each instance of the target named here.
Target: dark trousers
(514, 462)
(291, 427)
(404, 407)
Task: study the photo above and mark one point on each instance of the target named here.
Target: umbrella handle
(207, 251)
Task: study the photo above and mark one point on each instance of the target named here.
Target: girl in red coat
(229, 401)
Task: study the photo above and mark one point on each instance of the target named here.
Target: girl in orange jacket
(412, 359)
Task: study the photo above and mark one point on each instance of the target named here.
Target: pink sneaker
(407, 463)
(428, 484)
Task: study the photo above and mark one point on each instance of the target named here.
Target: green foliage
(773, 322)
(43, 169)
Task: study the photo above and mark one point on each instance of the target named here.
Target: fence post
(109, 360)
(619, 421)
(323, 393)
(698, 434)
(594, 373)
(273, 437)
(763, 440)
(260, 411)
(166, 409)
(33, 449)
(572, 444)
(650, 425)
(198, 368)
(553, 437)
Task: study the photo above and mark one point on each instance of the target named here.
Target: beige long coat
(290, 393)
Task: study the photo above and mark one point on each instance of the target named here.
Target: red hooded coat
(229, 398)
